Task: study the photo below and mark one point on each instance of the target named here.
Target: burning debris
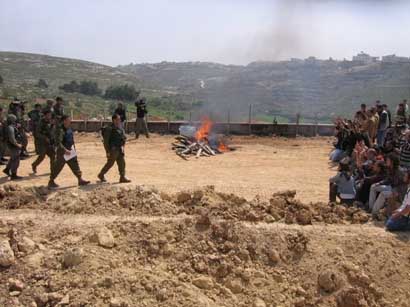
(199, 143)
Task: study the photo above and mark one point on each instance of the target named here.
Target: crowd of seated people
(373, 156)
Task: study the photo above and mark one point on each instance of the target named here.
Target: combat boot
(124, 179)
(7, 172)
(102, 178)
(52, 184)
(34, 168)
(15, 177)
(82, 182)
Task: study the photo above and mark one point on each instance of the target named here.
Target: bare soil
(258, 166)
(194, 238)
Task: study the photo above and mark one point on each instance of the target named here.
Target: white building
(365, 58)
(395, 59)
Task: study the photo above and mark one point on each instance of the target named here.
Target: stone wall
(163, 127)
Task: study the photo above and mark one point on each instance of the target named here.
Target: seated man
(343, 184)
(399, 220)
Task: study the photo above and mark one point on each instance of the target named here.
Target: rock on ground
(6, 254)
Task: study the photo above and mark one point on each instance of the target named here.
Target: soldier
(13, 140)
(35, 117)
(141, 123)
(45, 137)
(120, 110)
(65, 144)
(114, 142)
(49, 106)
(16, 108)
(58, 110)
(3, 129)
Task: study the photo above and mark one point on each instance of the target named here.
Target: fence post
(316, 125)
(250, 119)
(297, 124)
(72, 114)
(169, 123)
(228, 132)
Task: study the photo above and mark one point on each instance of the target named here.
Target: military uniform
(45, 137)
(3, 131)
(58, 112)
(13, 141)
(64, 141)
(35, 118)
(114, 141)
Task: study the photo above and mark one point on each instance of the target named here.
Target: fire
(203, 131)
(222, 147)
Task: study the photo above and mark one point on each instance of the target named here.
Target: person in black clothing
(386, 108)
(58, 110)
(141, 123)
(120, 110)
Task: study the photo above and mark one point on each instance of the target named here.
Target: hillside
(318, 89)
(312, 88)
(21, 72)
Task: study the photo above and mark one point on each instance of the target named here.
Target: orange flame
(222, 147)
(203, 131)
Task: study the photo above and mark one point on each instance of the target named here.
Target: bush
(42, 83)
(85, 87)
(122, 92)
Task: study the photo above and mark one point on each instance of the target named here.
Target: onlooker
(343, 185)
(141, 123)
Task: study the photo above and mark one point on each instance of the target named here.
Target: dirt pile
(194, 261)
(206, 202)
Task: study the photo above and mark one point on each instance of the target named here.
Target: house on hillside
(364, 58)
(395, 59)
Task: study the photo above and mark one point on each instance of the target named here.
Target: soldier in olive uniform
(35, 117)
(17, 108)
(114, 142)
(3, 130)
(58, 110)
(13, 140)
(45, 136)
(65, 143)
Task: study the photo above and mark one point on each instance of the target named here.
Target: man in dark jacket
(141, 123)
(65, 145)
(114, 142)
(45, 136)
(14, 146)
(58, 110)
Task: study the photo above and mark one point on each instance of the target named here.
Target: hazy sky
(227, 31)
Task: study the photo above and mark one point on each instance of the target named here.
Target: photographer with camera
(141, 123)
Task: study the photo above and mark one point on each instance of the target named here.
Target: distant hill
(315, 88)
(318, 89)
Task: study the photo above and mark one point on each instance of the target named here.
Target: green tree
(42, 83)
(122, 92)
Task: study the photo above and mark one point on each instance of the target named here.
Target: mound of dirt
(205, 202)
(182, 263)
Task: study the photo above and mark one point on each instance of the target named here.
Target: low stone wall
(161, 127)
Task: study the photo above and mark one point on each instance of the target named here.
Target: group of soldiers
(54, 138)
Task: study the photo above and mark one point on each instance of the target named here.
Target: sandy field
(257, 166)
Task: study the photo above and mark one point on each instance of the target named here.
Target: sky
(117, 32)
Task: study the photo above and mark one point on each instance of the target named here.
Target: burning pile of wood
(198, 145)
(184, 147)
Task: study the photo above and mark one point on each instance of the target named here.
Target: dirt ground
(177, 241)
(259, 165)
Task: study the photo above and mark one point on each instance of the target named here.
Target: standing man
(141, 123)
(120, 110)
(65, 144)
(383, 125)
(386, 108)
(114, 142)
(45, 137)
(58, 110)
(3, 131)
(14, 147)
(49, 106)
(35, 117)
